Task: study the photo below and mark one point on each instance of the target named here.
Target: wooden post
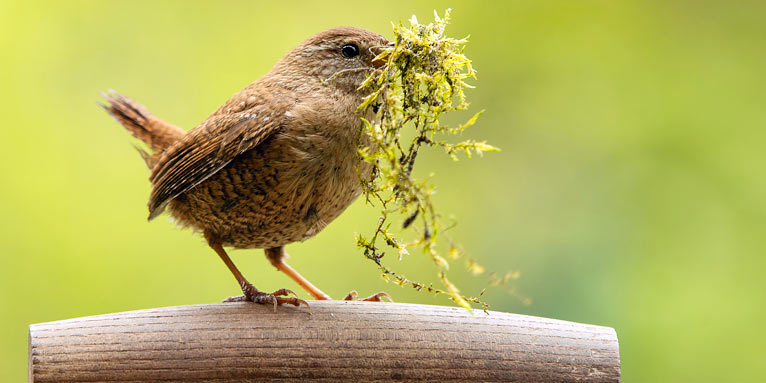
(337, 342)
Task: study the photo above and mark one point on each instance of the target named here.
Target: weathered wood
(338, 342)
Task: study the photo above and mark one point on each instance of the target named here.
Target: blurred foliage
(629, 193)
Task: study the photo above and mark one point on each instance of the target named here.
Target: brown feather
(153, 131)
(208, 148)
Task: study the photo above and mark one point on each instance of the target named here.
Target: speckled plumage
(287, 188)
(274, 164)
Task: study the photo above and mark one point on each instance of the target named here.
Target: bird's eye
(349, 51)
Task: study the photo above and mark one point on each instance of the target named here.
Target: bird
(273, 165)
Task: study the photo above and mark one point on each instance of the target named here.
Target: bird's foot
(276, 298)
(372, 298)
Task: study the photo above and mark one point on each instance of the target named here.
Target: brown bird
(274, 164)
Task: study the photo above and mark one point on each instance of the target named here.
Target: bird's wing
(207, 149)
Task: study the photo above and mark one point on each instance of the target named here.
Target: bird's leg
(276, 256)
(250, 292)
(372, 298)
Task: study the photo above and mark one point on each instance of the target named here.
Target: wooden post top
(338, 341)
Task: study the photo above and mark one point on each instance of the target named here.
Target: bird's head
(340, 57)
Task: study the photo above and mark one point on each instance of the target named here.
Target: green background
(629, 192)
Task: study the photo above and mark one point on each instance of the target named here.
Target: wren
(275, 163)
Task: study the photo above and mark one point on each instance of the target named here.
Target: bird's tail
(153, 131)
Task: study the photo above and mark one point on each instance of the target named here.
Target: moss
(424, 78)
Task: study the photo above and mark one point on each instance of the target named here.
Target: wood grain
(337, 342)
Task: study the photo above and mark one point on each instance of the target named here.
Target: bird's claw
(372, 298)
(279, 297)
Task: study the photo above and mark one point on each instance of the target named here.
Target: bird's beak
(379, 63)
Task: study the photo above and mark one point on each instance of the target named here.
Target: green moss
(424, 78)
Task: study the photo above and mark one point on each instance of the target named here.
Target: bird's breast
(324, 182)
